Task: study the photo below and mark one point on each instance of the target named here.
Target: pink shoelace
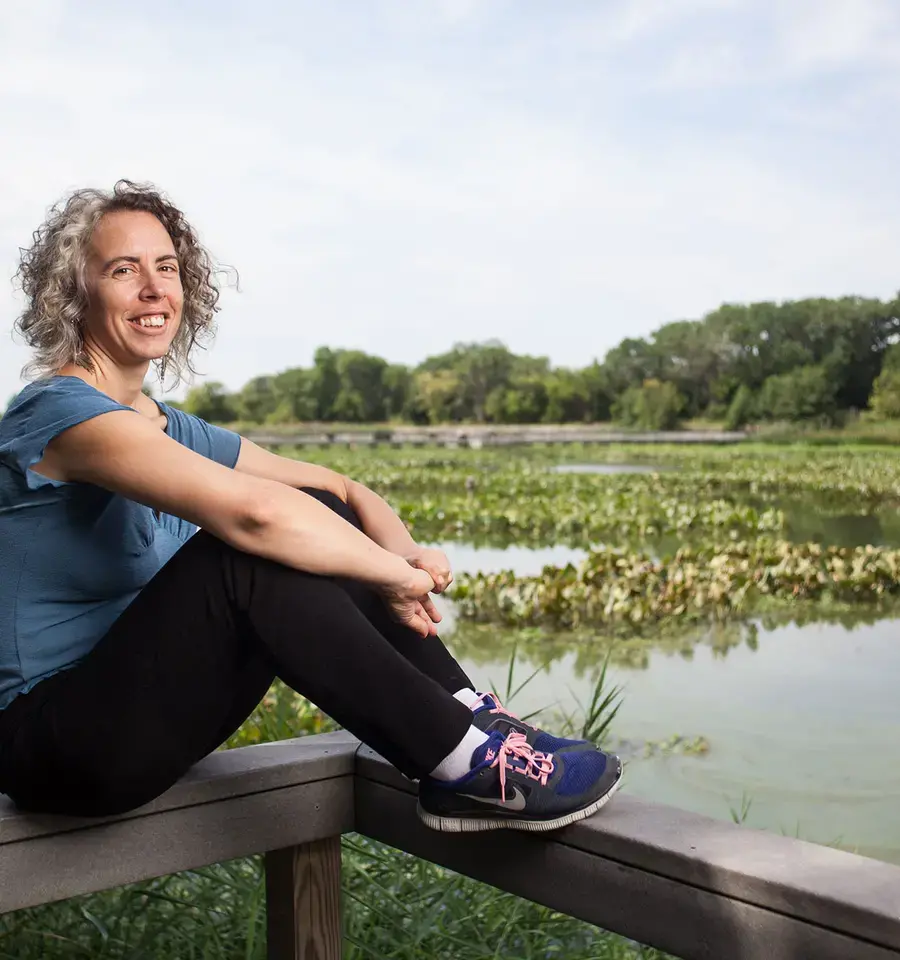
(538, 765)
(501, 709)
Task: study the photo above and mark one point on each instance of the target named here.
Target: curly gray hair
(52, 276)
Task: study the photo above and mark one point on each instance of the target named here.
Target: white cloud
(635, 18)
(816, 35)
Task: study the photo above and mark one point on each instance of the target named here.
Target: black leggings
(193, 655)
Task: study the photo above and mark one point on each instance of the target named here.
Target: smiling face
(134, 290)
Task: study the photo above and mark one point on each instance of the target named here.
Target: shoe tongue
(492, 744)
(488, 702)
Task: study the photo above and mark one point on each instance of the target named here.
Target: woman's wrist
(395, 573)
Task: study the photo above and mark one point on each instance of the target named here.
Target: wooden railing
(699, 888)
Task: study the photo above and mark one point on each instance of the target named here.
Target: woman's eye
(119, 270)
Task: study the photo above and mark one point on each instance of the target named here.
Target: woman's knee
(334, 503)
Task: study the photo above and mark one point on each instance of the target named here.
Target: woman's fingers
(421, 616)
(435, 562)
(430, 609)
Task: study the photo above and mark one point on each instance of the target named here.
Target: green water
(803, 721)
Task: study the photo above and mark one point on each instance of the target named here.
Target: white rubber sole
(478, 824)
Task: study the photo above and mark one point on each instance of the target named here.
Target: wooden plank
(104, 855)
(222, 775)
(303, 901)
(684, 919)
(812, 884)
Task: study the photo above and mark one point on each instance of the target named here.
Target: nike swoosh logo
(514, 802)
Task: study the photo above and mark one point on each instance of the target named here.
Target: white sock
(458, 762)
(467, 696)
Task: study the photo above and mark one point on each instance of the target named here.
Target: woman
(132, 644)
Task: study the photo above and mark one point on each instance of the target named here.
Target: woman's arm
(123, 452)
(387, 529)
(378, 519)
(258, 462)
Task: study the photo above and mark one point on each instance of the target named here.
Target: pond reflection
(805, 521)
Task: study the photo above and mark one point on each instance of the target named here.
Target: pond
(802, 722)
(805, 520)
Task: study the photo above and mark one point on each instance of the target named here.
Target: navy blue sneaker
(513, 786)
(488, 714)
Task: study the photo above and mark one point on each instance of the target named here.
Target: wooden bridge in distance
(477, 437)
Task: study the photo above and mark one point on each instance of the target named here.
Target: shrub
(740, 410)
(652, 406)
(885, 398)
(804, 393)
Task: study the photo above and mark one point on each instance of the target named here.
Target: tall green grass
(396, 907)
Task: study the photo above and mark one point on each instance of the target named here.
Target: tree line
(810, 359)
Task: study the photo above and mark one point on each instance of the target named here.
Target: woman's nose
(153, 289)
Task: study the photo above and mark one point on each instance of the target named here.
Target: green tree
(326, 382)
(524, 400)
(599, 392)
(885, 399)
(692, 356)
(652, 406)
(740, 410)
(803, 393)
(257, 400)
(211, 402)
(361, 394)
(398, 386)
(630, 364)
(480, 368)
(295, 399)
(438, 394)
(568, 397)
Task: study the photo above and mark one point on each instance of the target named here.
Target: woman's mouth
(151, 321)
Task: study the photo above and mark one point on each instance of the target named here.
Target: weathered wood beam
(702, 889)
(233, 804)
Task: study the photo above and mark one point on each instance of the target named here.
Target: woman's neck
(124, 386)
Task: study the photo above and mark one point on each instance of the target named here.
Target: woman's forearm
(378, 519)
(297, 530)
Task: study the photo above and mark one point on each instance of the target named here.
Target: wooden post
(303, 899)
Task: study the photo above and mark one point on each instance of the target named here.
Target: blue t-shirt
(73, 555)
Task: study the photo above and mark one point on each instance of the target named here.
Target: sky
(400, 175)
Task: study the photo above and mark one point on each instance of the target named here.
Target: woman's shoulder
(52, 390)
(51, 400)
(41, 411)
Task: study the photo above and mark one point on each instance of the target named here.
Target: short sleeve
(210, 441)
(42, 411)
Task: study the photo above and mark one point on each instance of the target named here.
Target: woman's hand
(434, 563)
(409, 603)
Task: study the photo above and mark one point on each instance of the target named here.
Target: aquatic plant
(697, 583)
